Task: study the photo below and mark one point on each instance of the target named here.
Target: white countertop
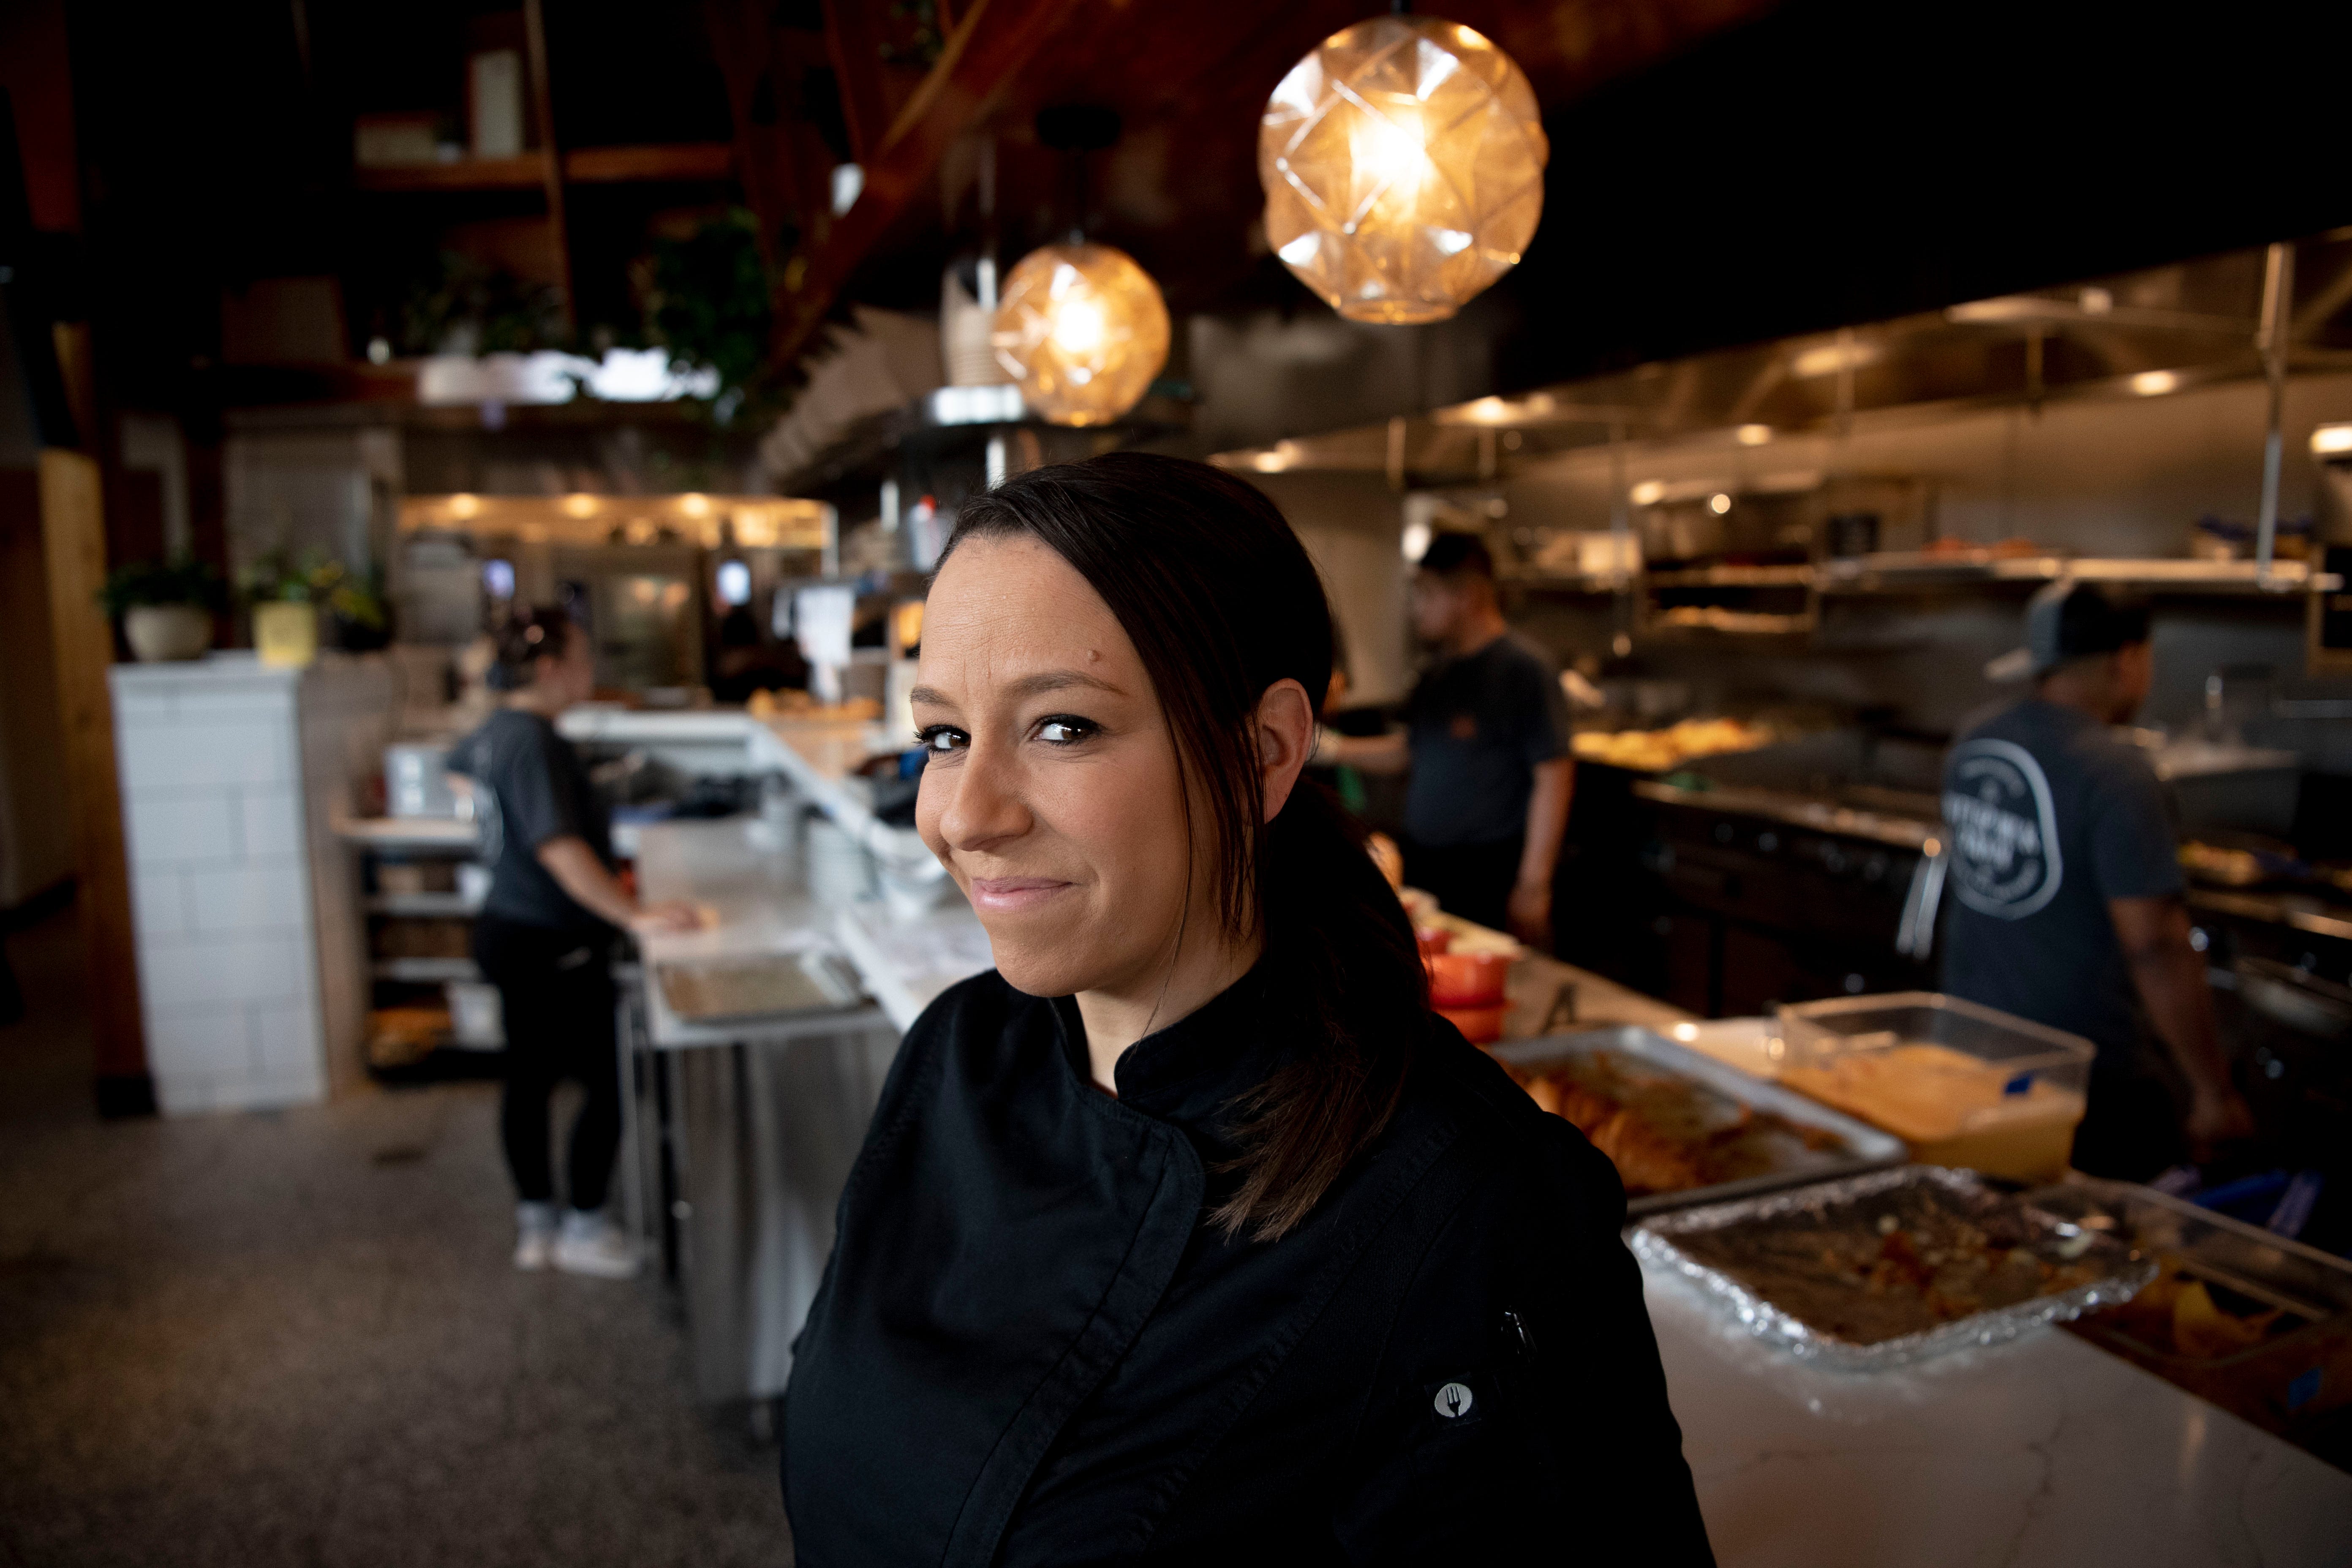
(2046, 1450)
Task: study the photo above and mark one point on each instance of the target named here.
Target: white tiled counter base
(213, 818)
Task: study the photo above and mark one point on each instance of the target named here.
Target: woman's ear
(1285, 724)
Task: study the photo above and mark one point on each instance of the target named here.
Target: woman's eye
(942, 738)
(1065, 730)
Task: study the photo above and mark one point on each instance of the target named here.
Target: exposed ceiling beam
(992, 41)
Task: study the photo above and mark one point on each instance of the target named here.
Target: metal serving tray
(1865, 1147)
(1856, 1200)
(745, 986)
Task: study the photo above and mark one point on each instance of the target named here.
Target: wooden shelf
(684, 161)
(524, 173)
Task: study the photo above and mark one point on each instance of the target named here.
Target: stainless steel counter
(742, 1133)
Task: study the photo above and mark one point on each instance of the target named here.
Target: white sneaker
(591, 1245)
(534, 1235)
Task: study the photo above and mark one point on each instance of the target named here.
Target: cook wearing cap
(2067, 890)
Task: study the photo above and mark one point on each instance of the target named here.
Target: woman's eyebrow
(1060, 680)
(1027, 686)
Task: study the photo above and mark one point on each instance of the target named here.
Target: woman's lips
(1008, 894)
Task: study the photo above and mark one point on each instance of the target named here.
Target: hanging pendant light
(1084, 331)
(1403, 165)
(1081, 327)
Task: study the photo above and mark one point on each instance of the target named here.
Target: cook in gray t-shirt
(2049, 816)
(536, 790)
(1479, 726)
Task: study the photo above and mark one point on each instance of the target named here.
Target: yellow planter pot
(286, 634)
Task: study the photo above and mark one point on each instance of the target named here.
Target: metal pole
(2278, 299)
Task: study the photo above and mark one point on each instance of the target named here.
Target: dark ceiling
(1723, 171)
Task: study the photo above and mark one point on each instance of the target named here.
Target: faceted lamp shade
(1403, 164)
(1083, 328)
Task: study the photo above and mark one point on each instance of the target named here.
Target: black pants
(1473, 880)
(555, 988)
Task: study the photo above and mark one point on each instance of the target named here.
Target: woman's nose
(983, 806)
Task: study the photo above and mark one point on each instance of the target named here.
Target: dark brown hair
(525, 638)
(1221, 602)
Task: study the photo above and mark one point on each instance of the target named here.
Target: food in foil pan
(1663, 1132)
(1889, 1267)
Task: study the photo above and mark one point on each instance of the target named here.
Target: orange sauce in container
(1951, 1108)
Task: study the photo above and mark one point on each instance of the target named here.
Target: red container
(1479, 1026)
(1466, 979)
(1433, 939)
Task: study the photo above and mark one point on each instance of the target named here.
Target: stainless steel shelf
(457, 905)
(425, 971)
(411, 833)
(1793, 576)
(1868, 573)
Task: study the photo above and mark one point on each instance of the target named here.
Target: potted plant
(166, 607)
(287, 594)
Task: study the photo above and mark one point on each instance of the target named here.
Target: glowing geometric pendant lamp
(1404, 163)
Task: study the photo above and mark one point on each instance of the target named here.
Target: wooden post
(73, 532)
(542, 107)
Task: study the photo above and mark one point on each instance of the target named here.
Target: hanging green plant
(708, 303)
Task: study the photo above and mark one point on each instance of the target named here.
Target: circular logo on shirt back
(2003, 830)
(1453, 1399)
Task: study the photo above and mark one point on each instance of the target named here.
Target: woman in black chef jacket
(544, 939)
(1189, 1234)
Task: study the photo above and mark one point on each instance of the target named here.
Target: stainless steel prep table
(742, 1132)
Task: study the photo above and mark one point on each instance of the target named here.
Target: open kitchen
(1814, 698)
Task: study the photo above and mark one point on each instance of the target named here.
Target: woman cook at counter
(544, 939)
(1189, 1233)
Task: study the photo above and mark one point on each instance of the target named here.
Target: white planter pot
(159, 634)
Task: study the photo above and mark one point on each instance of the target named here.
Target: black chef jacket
(1030, 1348)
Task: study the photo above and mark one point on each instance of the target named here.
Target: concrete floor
(296, 1337)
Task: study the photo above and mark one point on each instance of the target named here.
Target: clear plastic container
(1962, 1085)
(2259, 1325)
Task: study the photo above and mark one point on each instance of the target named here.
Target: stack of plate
(840, 872)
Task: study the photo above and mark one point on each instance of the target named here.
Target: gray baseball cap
(2072, 619)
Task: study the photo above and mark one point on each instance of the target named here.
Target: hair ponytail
(1221, 602)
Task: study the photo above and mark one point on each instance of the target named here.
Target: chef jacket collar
(1189, 1072)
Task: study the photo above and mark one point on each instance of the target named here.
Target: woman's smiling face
(1052, 794)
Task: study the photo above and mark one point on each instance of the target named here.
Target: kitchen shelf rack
(1905, 571)
(426, 971)
(454, 906)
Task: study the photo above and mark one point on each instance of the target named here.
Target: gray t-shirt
(1479, 725)
(531, 787)
(2049, 816)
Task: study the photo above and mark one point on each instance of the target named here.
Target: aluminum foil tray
(1788, 1311)
(1858, 1146)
